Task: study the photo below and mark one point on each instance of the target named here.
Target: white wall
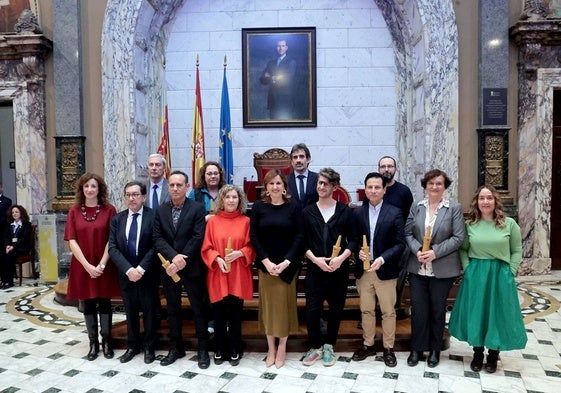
(355, 83)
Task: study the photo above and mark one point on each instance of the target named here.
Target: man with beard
(397, 194)
(302, 182)
(400, 196)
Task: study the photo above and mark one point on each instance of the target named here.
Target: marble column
(67, 58)
(493, 93)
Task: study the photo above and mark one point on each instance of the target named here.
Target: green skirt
(487, 312)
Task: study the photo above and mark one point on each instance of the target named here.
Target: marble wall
(387, 83)
(22, 81)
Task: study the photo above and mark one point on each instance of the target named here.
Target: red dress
(91, 236)
(239, 281)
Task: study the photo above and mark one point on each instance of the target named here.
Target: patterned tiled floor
(42, 348)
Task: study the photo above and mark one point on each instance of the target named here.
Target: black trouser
(320, 287)
(139, 297)
(428, 311)
(228, 325)
(196, 291)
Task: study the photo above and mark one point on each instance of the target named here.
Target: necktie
(155, 203)
(302, 192)
(279, 61)
(131, 242)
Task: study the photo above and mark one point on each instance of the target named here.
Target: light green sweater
(486, 241)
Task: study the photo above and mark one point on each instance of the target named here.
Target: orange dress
(238, 282)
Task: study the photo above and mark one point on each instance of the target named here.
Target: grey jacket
(447, 236)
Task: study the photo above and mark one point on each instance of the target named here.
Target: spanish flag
(198, 158)
(164, 147)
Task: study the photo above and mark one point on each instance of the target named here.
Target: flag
(198, 158)
(164, 147)
(225, 140)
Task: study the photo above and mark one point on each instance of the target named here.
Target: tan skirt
(277, 306)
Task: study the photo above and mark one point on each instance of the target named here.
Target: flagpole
(198, 157)
(225, 132)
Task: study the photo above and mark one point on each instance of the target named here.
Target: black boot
(105, 321)
(91, 325)
(492, 357)
(477, 362)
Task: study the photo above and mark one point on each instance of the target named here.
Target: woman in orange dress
(228, 254)
(92, 277)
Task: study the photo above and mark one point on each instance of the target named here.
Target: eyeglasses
(386, 166)
(133, 195)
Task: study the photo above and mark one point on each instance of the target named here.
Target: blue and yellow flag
(225, 141)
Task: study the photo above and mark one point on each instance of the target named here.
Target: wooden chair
(271, 159)
(342, 195)
(29, 257)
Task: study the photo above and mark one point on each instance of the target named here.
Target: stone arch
(135, 35)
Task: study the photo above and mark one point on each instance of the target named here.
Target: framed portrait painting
(279, 77)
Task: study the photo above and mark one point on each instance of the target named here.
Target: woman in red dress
(228, 253)
(92, 277)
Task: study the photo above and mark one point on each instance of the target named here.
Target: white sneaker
(329, 358)
(311, 356)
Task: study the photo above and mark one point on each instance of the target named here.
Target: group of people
(203, 242)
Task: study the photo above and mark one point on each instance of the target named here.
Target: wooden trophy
(165, 264)
(427, 239)
(228, 250)
(366, 250)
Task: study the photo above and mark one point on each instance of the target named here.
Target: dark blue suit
(388, 242)
(186, 239)
(137, 296)
(389, 238)
(311, 191)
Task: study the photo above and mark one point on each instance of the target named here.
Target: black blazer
(186, 239)
(389, 239)
(311, 191)
(118, 245)
(23, 236)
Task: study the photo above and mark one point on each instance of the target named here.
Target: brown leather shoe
(363, 352)
(389, 357)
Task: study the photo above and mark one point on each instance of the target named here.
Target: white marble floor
(42, 349)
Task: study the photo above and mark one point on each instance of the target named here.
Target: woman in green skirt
(487, 312)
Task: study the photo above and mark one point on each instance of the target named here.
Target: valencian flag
(198, 159)
(164, 147)
(225, 141)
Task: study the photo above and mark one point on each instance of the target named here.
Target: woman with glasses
(434, 232)
(211, 180)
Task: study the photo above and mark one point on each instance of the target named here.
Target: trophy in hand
(165, 264)
(427, 239)
(336, 248)
(366, 250)
(228, 250)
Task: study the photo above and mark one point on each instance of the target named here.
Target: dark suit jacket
(23, 235)
(389, 239)
(118, 247)
(186, 239)
(5, 204)
(311, 191)
(164, 195)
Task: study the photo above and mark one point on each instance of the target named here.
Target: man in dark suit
(131, 249)
(302, 182)
(382, 224)
(279, 76)
(158, 186)
(5, 204)
(179, 229)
